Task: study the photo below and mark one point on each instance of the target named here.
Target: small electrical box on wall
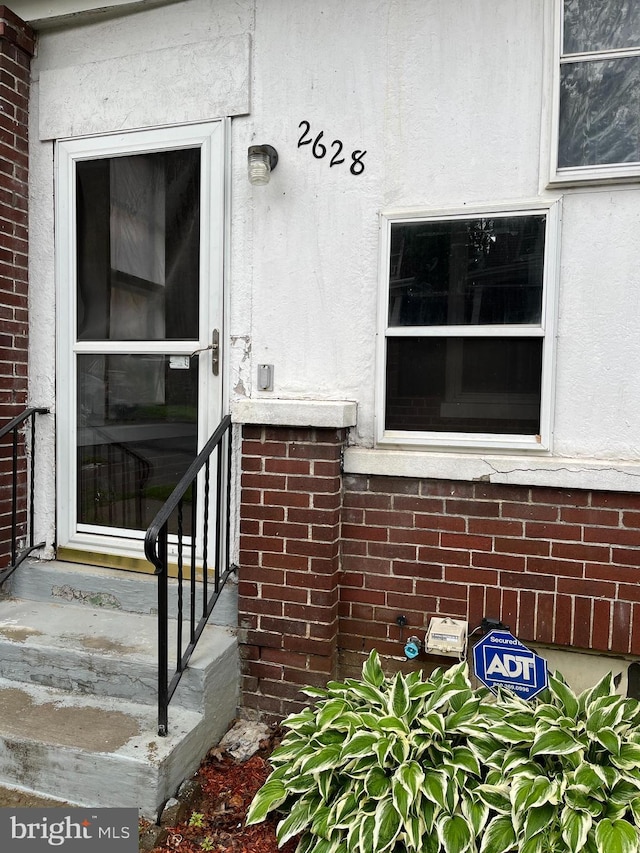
(446, 637)
(265, 377)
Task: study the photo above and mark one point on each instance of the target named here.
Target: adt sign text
(501, 660)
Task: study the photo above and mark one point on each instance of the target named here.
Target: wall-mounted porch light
(262, 160)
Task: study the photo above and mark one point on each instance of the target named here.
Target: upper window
(467, 315)
(598, 90)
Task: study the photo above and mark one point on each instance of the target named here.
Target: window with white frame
(597, 115)
(468, 313)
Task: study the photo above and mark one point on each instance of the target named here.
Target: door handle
(215, 352)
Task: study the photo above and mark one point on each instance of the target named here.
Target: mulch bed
(217, 822)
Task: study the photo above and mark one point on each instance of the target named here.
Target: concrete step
(78, 688)
(107, 653)
(108, 589)
(96, 751)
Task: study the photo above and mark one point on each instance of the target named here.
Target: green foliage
(408, 765)
(196, 819)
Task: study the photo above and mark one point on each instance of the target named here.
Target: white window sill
(558, 472)
(331, 414)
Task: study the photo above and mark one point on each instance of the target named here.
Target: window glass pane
(467, 271)
(137, 435)
(592, 25)
(599, 112)
(471, 385)
(138, 246)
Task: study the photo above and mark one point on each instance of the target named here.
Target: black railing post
(156, 550)
(163, 634)
(13, 427)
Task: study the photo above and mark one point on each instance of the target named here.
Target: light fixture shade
(262, 161)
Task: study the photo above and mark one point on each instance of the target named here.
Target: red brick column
(16, 50)
(289, 563)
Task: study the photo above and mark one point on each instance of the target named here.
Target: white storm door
(140, 225)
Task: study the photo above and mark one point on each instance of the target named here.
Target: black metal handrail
(156, 548)
(14, 426)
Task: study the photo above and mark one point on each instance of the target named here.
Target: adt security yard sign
(500, 660)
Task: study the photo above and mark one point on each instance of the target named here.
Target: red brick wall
(558, 567)
(16, 50)
(328, 563)
(289, 558)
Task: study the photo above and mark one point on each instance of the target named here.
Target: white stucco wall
(448, 99)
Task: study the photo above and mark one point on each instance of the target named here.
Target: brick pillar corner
(289, 563)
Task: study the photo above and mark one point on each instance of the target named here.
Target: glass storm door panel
(140, 397)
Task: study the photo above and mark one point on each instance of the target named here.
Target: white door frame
(211, 138)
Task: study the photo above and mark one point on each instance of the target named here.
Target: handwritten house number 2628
(319, 149)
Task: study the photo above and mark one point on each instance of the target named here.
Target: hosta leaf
(372, 670)
(434, 788)
(536, 844)
(537, 820)
(609, 739)
(554, 742)
(589, 775)
(401, 798)
(624, 792)
(527, 793)
(377, 783)
(330, 710)
(386, 826)
(495, 796)
(298, 819)
(433, 723)
(454, 833)
(584, 801)
(411, 777)
(565, 697)
(366, 834)
(343, 808)
(369, 694)
(292, 748)
(400, 748)
(324, 759)
(628, 757)
(362, 743)
(514, 759)
(414, 831)
(510, 734)
(548, 712)
(272, 794)
(393, 724)
(304, 721)
(382, 748)
(614, 811)
(616, 836)
(321, 825)
(325, 784)
(575, 828)
(464, 758)
(635, 811)
(521, 720)
(604, 687)
(487, 748)
(399, 701)
(299, 784)
(465, 714)
(476, 813)
(499, 836)
(307, 843)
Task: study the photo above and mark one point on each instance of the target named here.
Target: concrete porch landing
(78, 716)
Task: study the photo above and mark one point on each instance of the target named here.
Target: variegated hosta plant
(407, 765)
